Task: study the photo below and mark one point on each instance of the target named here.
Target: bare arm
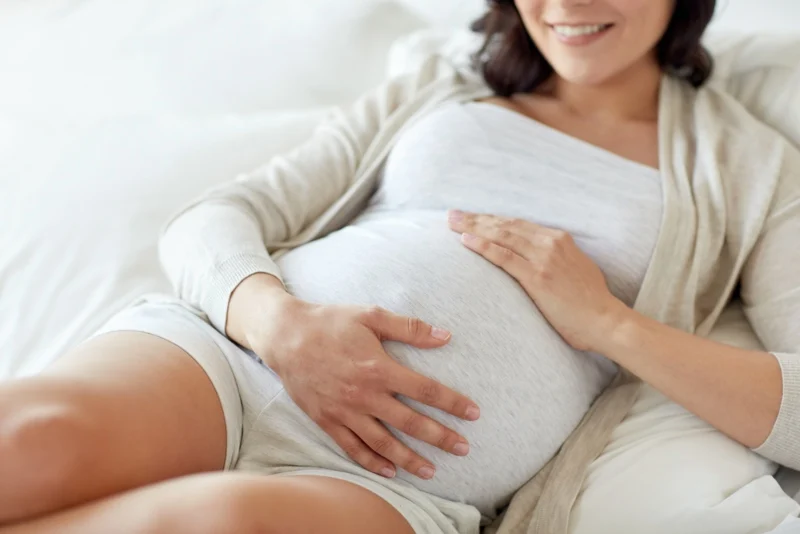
(737, 391)
(752, 396)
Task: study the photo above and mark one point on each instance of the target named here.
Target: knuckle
(446, 440)
(356, 452)
(517, 241)
(332, 412)
(351, 447)
(504, 235)
(373, 312)
(539, 273)
(562, 237)
(458, 405)
(382, 445)
(371, 371)
(415, 326)
(350, 393)
(506, 255)
(430, 393)
(413, 424)
(413, 463)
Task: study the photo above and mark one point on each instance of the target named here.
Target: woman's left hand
(565, 284)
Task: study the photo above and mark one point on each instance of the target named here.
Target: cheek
(646, 20)
(531, 13)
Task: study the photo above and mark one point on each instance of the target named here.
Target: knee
(43, 446)
(230, 504)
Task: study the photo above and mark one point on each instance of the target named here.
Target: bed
(114, 114)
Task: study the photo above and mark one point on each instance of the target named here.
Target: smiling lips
(580, 34)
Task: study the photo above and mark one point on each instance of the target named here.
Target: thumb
(410, 330)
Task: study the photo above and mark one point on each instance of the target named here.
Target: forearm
(737, 391)
(259, 295)
(208, 250)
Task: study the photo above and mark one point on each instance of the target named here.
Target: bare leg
(119, 412)
(230, 504)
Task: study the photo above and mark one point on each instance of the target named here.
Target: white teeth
(576, 31)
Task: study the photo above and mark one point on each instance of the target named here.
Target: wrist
(616, 329)
(255, 298)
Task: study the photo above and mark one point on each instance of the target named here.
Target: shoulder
(765, 148)
(717, 108)
(725, 134)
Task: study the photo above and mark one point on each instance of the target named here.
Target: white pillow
(82, 206)
(79, 58)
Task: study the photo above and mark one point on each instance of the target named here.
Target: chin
(587, 76)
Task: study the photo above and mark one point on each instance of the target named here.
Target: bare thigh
(231, 504)
(121, 411)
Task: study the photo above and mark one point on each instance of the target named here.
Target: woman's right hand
(333, 365)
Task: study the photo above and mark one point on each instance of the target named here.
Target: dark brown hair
(511, 63)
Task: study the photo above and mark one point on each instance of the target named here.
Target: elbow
(782, 445)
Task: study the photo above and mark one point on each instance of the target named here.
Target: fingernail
(456, 216)
(469, 239)
(427, 472)
(473, 413)
(388, 472)
(461, 449)
(438, 333)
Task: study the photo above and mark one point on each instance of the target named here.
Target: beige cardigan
(731, 215)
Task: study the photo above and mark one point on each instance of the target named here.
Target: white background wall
(758, 15)
(741, 15)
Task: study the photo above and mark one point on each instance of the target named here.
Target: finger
(410, 422)
(508, 260)
(525, 247)
(481, 224)
(463, 221)
(409, 330)
(431, 393)
(385, 444)
(359, 451)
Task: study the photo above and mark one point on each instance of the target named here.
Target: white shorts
(266, 431)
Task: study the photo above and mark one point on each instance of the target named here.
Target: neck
(631, 95)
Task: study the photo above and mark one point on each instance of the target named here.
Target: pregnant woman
(396, 327)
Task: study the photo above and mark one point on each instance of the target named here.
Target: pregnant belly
(533, 389)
